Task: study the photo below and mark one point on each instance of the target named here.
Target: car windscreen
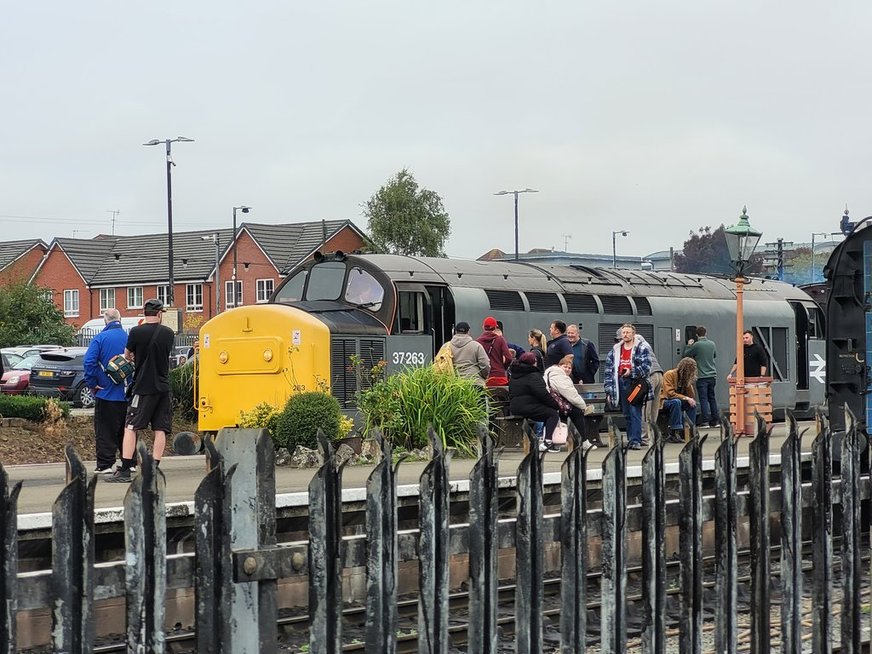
(26, 363)
(60, 357)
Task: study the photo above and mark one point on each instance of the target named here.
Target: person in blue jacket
(110, 408)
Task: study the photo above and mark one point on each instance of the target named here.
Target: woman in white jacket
(558, 381)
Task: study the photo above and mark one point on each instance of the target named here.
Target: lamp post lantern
(243, 209)
(515, 193)
(622, 232)
(742, 240)
(170, 164)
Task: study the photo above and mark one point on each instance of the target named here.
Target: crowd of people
(541, 381)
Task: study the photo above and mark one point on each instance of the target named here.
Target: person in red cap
(498, 352)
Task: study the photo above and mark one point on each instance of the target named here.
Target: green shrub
(262, 416)
(182, 387)
(301, 418)
(404, 404)
(32, 408)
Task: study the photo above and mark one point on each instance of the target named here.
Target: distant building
(660, 260)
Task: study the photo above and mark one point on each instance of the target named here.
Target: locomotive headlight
(223, 357)
(267, 355)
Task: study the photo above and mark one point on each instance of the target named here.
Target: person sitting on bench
(678, 397)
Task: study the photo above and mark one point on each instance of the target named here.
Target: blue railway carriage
(400, 309)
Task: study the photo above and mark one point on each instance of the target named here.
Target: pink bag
(561, 433)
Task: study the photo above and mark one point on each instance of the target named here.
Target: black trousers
(109, 429)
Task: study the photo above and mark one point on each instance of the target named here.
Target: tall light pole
(741, 241)
(170, 164)
(516, 193)
(216, 239)
(622, 232)
(243, 209)
(813, 234)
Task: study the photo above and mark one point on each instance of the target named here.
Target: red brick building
(87, 276)
(19, 259)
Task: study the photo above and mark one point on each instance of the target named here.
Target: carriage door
(442, 304)
(413, 322)
(802, 363)
(666, 348)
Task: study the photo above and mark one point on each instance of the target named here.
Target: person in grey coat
(470, 359)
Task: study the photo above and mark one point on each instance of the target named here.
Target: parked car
(61, 373)
(10, 357)
(180, 355)
(17, 379)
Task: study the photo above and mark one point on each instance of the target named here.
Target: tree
(404, 219)
(706, 252)
(27, 316)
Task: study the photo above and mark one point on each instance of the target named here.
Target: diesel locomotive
(335, 317)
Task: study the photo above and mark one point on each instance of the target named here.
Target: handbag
(561, 433)
(563, 405)
(119, 369)
(639, 391)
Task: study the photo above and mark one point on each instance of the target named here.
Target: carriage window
(325, 281)
(815, 322)
(292, 290)
(363, 289)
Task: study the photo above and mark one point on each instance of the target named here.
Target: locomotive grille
(505, 300)
(643, 307)
(371, 352)
(343, 382)
(580, 303)
(616, 304)
(544, 302)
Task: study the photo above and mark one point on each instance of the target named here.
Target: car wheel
(84, 397)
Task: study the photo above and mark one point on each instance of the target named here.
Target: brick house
(19, 259)
(88, 276)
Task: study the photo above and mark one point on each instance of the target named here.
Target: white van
(95, 326)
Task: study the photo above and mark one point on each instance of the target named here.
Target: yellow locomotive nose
(256, 354)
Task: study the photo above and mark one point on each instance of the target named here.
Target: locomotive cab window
(325, 281)
(410, 313)
(363, 289)
(292, 290)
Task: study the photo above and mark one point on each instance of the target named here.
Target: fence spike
(653, 546)
(8, 562)
(690, 537)
(791, 538)
(822, 544)
(529, 558)
(614, 549)
(849, 467)
(726, 520)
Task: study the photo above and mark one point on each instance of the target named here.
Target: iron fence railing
(237, 561)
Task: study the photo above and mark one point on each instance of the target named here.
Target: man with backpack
(585, 360)
(466, 356)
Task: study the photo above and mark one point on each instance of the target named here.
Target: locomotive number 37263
(408, 358)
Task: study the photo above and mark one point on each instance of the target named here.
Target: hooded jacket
(527, 391)
(640, 358)
(498, 352)
(470, 359)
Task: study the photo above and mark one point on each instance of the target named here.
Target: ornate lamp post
(741, 241)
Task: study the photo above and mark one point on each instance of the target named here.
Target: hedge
(28, 407)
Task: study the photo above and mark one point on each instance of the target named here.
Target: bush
(301, 418)
(262, 416)
(403, 405)
(182, 388)
(32, 408)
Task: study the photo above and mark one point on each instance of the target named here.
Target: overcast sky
(655, 117)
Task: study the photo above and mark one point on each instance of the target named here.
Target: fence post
(433, 553)
(573, 547)
(851, 528)
(325, 554)
(690, 537)
(381, 562)
(8, 562)
(791, 539)
(726, 519)
(758, 453)
(483, 577)
(146, 546)
(614, 548)
(822, 544)
(72, 584)
(653, 546)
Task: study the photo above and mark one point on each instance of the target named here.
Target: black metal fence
(237, 561)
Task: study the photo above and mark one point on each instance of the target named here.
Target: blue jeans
(708, 403)
(675, 408)
(633, 414)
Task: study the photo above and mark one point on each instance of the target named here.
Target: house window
(107, 299)
(71, 303)
(134, 297)
(163, 294)
(231, 300)
(264, 289)
(194, 297)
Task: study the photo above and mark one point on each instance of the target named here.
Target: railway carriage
(400, 309)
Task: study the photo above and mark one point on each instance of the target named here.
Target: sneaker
(543, 446)
(120, 477)
(108, 470)
(714, 425)
(597, 442)
(554, 448)
(634, 445)
(132, 469)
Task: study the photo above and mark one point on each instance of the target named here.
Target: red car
(16, 380)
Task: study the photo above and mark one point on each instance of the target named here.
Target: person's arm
(594, 358)
(91, 363)
(566, 388)
(483, 361)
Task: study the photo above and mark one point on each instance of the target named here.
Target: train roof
(511, 275)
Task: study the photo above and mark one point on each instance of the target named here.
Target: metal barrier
(237, 561)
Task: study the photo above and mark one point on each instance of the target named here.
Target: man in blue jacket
(110, 408)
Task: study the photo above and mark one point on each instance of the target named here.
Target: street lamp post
(813, 234)
(243, 209)
(622, 232)
(741, 241)
(515, 193)
(216, 239)
(170, 164)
